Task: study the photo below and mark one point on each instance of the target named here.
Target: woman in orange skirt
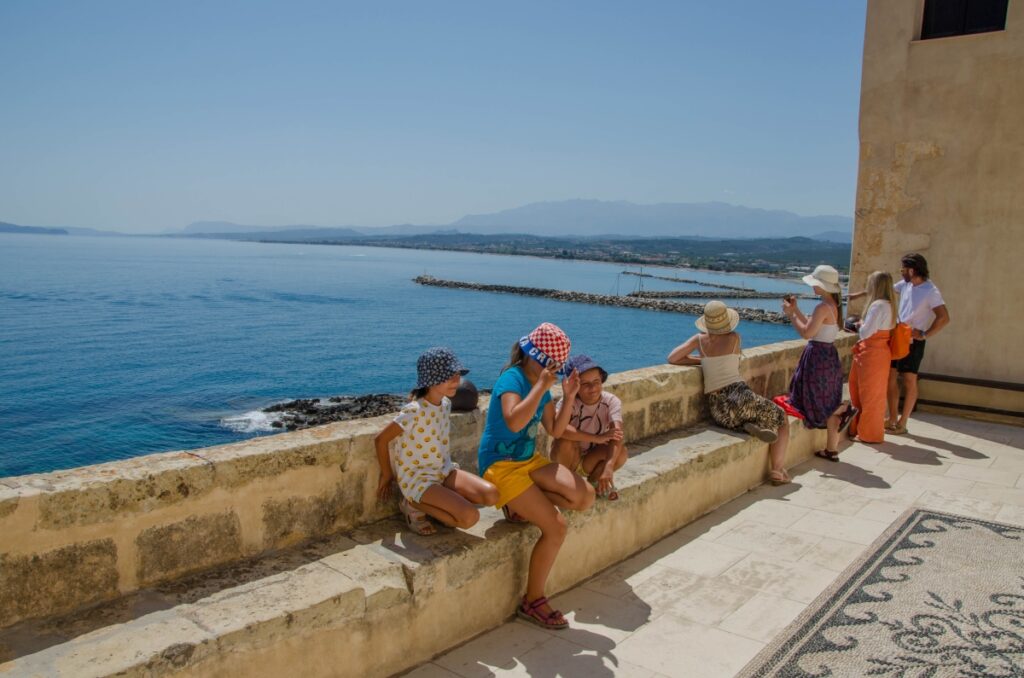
(869, 376)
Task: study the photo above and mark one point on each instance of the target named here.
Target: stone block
(57, 581)
(193, 544)
(239, 464)
(665, 415)
(777, 383)
(287, 521)
(634, 424)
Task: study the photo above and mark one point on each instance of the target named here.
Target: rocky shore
(750, 314)
(299, 414)
(690, 281)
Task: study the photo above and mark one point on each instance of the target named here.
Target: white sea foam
(254, 421)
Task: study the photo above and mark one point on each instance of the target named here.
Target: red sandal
(532, 613)
(511, 516)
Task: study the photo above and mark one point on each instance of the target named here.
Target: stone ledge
(342, 613)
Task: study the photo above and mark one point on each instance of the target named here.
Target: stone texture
(193, 544)
(56, 581)
(287, 521)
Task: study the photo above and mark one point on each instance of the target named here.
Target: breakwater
(707, 294)
(688, 281)
(751, 314)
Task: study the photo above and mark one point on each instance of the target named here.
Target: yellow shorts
(512, 478)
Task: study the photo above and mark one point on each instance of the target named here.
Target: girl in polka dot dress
(413, 452)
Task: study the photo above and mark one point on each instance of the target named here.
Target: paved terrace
(705, 600)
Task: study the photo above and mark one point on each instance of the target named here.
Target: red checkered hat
(551, 340)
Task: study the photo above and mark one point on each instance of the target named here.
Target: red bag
(899, 341)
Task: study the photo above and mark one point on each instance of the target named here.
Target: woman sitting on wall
(731, 401)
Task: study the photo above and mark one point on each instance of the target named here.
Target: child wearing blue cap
(420, 461)
(593, 439)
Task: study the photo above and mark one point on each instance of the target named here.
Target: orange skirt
(869, 382)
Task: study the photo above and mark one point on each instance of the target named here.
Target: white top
(720, 371)
(826, 333)
(917, 303)
(878, 317)
(420, 456)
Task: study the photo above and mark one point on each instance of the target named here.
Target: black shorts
(912, 361)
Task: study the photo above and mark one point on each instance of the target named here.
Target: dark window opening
(944, 18)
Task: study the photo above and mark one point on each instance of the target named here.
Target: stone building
(942, 173)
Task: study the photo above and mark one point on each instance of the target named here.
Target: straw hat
(825, 277)
(717, 319)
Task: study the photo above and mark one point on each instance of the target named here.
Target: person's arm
(807, 327)
(575, 435)
(556, 425)
(381, 442)
(517, 410)
(854, 296)
(680, 355)
(941, 320)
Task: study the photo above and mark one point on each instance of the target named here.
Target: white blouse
(878, 317)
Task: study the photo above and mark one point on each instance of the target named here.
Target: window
(943, 18)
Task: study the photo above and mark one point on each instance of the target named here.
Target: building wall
(942, 173)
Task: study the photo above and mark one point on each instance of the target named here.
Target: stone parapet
(82, 536)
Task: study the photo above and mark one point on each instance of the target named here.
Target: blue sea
(116, 347)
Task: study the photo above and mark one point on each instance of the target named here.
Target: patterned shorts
(734, 405)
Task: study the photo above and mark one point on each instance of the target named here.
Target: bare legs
(555, 487)
(453, 502)
(777, 455)
(897, 419)
(595, 461)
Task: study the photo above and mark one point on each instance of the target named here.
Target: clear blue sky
(146, 116)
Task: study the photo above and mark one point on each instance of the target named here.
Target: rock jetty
(690, 281)
(306, 412)
(751, 314)
(706, 294)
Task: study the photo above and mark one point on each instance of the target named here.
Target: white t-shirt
(596, 419)
(878, 317)
(917, 303)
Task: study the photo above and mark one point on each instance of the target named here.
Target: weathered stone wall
(76, 537)
(941, 170)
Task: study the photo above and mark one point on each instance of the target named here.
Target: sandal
(511, 516)
(417, 520)
(827, 454)
(532, 613)
(778, 478)
(611, 494)
(899, 430)
(847, 416)
(765, 435)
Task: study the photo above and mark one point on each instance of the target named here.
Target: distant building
(942, 173)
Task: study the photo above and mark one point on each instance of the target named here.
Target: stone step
(380, 599)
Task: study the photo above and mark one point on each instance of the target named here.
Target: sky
(143, 117)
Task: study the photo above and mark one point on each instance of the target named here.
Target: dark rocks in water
(307, 412)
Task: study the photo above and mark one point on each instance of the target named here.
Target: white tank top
(827, 333)
(719, 371)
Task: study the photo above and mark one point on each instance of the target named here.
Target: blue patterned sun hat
(436, 366)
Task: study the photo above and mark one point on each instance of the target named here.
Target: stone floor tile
(709, 601)
(1008, 463)
(999, 495)
(985, 475)
(597, 620)
(861, 455)
(621, 580)
(679, 648)
(882, 511)
(1020, 481)
(493, 652)
(913, 481)
(662, 590)
(833, 554)
(762, 617)
(704, 558)
(773, 512)
(782, 543)
(801, 582)
(559, 657)
(959, 504)
(1011, 514)
(847, 528)
(430, 670)
(824, 498)
(936, 467)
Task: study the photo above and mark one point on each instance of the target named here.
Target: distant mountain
(37, 230)
(599, 217)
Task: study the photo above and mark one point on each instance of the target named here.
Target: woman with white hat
(816, 390)
(731, 401)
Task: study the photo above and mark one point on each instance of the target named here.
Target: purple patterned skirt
(816, 390)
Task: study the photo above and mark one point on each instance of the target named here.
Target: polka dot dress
(420, 456)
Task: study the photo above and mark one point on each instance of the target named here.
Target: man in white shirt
(922, 307)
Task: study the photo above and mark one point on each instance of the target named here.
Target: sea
(116, 347)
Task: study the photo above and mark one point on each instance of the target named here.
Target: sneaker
(764, 434)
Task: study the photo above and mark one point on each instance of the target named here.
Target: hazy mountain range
(579, 218)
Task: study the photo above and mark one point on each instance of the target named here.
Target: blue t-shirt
(498, 443)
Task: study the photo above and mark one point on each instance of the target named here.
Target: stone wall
(77, 537)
